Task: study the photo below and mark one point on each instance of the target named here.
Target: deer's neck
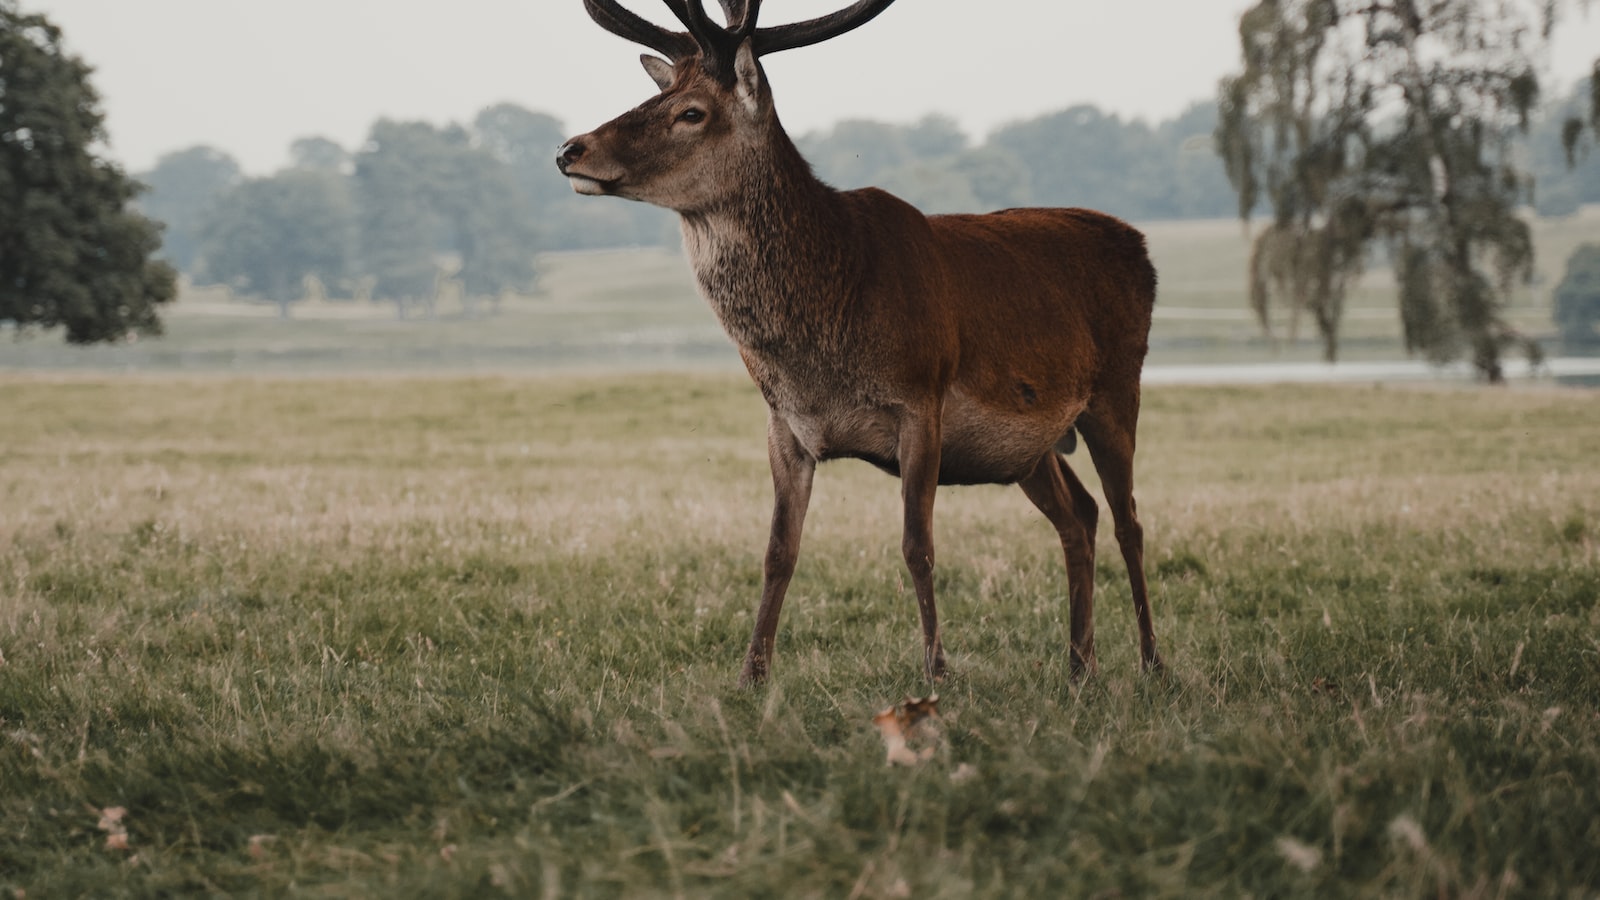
(775, 262)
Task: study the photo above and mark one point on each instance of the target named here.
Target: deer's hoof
(1081, 667)
(754, 673)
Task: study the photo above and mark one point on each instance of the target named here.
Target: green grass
(480, 636)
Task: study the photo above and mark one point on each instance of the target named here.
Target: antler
(733, 11)
(717, 44)
(815, 31)
(609, 15)
(709, 36)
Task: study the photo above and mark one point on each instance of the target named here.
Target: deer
(945, 349)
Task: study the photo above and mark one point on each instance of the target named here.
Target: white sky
(250, 76)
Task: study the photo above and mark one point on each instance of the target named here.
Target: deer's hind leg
(1056, 490)
(1108, 428)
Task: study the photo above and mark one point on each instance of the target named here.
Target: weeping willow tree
(1371, 125)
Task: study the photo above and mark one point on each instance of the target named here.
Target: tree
(182, 187)
(1567, 170)
(268, 235)
(997, 179)
(927, 163)
(1579, 113)
(424, 192)
(1577, 298)
(73, 252)
(1081, 157)
(933, 187)
(934, 137)
(1390, 122)
(1193, 183)
(319, 154)
(491, 225)
(857, 152)
(397, 175)
(526, 142)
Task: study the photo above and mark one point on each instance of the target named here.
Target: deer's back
(1019, 272)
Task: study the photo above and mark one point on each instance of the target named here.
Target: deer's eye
(692, 115)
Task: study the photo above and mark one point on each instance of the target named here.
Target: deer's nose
(569, 153)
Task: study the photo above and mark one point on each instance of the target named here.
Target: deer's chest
(830, 415)
(859, 433)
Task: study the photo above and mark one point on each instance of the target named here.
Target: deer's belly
(980, 446)
(988, 445)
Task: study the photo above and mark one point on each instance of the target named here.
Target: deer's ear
(747, 77)
(660, 71)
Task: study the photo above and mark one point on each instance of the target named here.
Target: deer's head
(704, 134)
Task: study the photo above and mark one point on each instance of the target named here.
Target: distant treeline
(418, 203)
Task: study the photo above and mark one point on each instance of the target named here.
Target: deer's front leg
(792, 471)
(919, 481)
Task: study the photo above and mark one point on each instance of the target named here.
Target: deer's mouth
(593, 187)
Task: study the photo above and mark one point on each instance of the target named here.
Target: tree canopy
(1577, 297)
(1391, 123)
(1566, 167)
(408, 182)
(423, 191)
(1080, 156)
(73, 252)
(276, 232)
(319, 154)
(182, 188)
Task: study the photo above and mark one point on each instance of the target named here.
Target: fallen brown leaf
(1299, 854)
(258, 843)
(111, 823)
(914, 720)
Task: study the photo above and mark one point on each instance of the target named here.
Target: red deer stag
(956, 349)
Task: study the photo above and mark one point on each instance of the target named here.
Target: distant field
(624, 309)
(478, 636)
(637, 309)
(1203, 267)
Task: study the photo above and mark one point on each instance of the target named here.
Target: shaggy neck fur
(771, 257)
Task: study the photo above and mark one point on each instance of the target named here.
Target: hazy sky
(250, 76)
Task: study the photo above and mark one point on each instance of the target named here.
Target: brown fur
(944, 349)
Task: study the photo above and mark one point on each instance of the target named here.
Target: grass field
(637, 310)
(479, 636)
